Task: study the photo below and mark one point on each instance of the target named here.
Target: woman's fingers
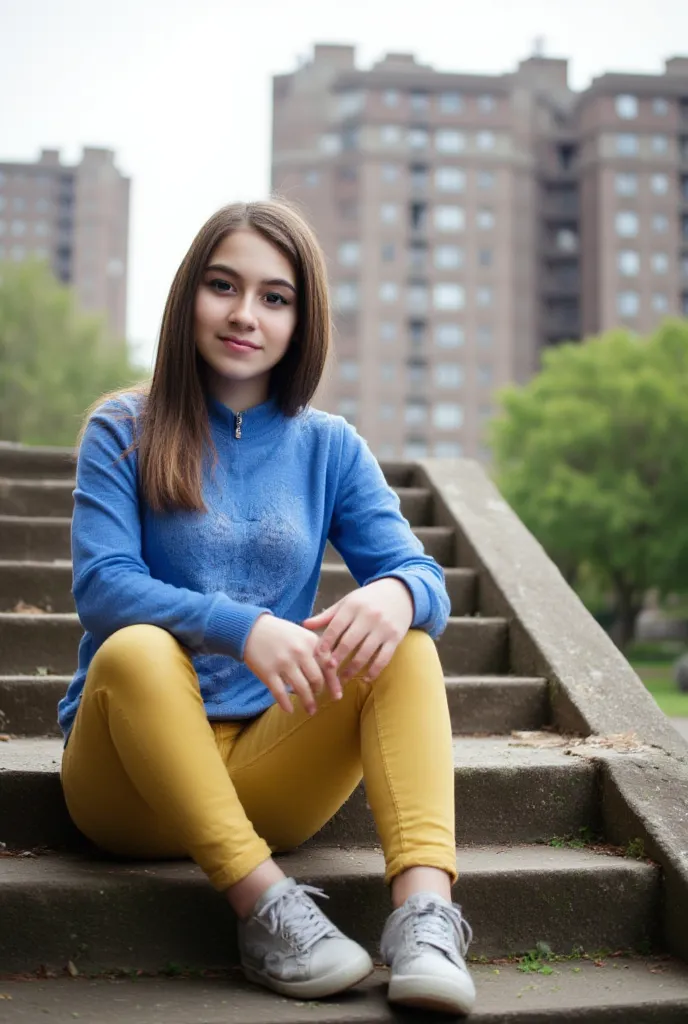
(279, 692)
(301, 687)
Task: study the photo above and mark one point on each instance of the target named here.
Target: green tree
(54, 359)
(593, 455)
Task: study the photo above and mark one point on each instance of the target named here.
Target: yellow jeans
(146, 774)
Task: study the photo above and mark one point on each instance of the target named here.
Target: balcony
(564, 284)
(560, 205)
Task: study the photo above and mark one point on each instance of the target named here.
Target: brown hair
(173, 431)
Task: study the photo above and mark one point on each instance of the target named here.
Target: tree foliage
(54, 359)
(593, 455)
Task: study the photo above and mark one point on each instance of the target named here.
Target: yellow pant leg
(142, 774)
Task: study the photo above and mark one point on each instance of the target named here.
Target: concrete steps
(503, 793)
(478, 704)
(145, 916)
(611, 991)
(469, 646)
(48, 585)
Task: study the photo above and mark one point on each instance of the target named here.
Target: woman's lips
(238, 344)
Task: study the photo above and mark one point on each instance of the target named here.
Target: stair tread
(449, 680)
(505, 996)
(72, 616)
(42, 754)
(323, 862)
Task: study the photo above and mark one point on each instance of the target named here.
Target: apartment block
(75, 217)
(471, 220)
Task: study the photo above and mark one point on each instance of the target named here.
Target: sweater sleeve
(376, 541)
(113, 586)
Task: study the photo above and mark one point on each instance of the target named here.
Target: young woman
(212, 714)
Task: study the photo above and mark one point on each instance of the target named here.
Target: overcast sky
(180, 89)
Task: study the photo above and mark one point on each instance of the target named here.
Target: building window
(418, 215)
(388, 372)
(447, 416)
(660, 144)
(3, 227)
(389, 291)
(346, 296)
(450, 218)
(628, 303)
(448, 140)
(448, 450)
(420, 177)
(415, 374)
(387, 253)
(348, 407)
(484, 257)
(485, 219)
(566, 240)
(684, 267)
(485, 337)
(659, 184)
(350, 102)
(388, 331)
(448, 257)
(660, 107)
(415, 413)
(347, 172)
(628, 263)
(484, 297)
(450, 102)
(660, 223)
(420, 101)
(484, 374)
(449, 335)
(348, 369)
(627, 107)
(348, 210)
(41, 228)
(418, 256)
(626, 223)
(18, 228)
(486, 140)
(387, 411)
(448, 296)
(349, 253)
(486, 103)
(386, 451)
(486, 179)
(390, 173)
(660, 262)
(418, 138)
(18, 253)
(390, 97)
(389, 213)
(390, 135)
(418, 297)
(312, 178)
(449, 375)
(660, 302)
(626, 184)
(415, 450)
(627, 145)
(417, 330)
(450, 179)
(19, 205)
(330, 143)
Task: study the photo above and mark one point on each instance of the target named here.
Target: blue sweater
(280, 491)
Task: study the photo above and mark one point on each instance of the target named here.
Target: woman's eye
(275, 299)
(220, 285)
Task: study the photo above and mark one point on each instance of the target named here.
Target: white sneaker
(425, 942)
(289, 945)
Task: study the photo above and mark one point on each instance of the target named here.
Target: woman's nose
(242, 311)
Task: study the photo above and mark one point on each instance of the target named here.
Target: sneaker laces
(293, 915)
(434, 923)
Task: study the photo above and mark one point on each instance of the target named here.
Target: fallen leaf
(22, 608)
(72, 969)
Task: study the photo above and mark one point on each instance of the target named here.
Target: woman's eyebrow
(273, 282)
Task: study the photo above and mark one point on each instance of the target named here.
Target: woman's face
(244, 317)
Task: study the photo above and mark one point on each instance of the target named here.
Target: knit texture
(276, 496)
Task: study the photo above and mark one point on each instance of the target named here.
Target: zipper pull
(237, 425)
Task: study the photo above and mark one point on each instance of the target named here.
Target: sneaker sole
(426, 993)
(316, 988)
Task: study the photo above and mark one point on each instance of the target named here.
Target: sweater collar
(256, 421)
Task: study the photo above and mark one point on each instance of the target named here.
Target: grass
(658, 678)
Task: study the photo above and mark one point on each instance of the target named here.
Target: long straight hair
(172, 432)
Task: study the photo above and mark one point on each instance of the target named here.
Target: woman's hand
(378, 617)
(282, 654)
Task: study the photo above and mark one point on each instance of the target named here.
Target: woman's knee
(136, 648)
(416, 654)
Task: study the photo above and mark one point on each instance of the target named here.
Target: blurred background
(501, 192)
